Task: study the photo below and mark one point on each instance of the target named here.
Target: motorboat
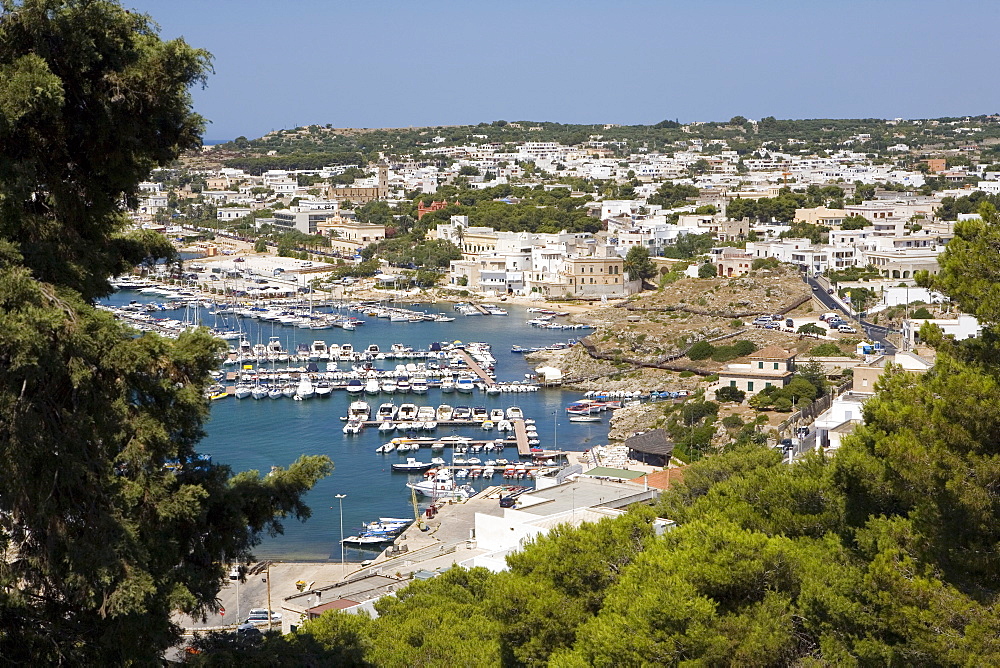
(411, 465)
(359, 410)
(487, 425)
(496, 414)
(353, 427)
(389, 385)
(386, 411)
(305, 389)
(372, 386)
(425, 413)
(515, 413)
(479, 413)
(448, 385)
(465, 385)
(445, 413)
(355, 386)
(386, 426)
(462, 413)
(585, 418)
(323, 389)
(403, 385)
(504, 425)
(418, 385)
(407, 412)
(385, 448)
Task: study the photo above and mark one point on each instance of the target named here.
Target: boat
(275, 393)
(407, 412)
(411, 465)
(425, 413)
(353, 427)
(387, 426)
(355, 386)
(418, 385)
(372, 386)
(371, 539)
(259, 392)
(462, 413)
(243, 391)
(359, 410)
(386, 411)
(487, 425)
(515, 413)
(585, 418)
(504, 425)
(403, 385)
(479, 413)
(496, 414)
(323, 389)
(448, 385)
(441, 486)
(465, 385)
(389, 385)
(444, 413)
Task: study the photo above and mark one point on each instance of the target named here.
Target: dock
(475, 368)
(521, 436)
(481, 309)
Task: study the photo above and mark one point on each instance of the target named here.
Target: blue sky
(397, 63)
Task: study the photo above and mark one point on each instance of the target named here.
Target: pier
(521, 436)
(475, 368)
(481, 309)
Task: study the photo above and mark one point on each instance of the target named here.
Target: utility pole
(269, 612)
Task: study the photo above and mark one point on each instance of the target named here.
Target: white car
(847, 329)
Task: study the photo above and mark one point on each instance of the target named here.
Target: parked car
(846, 329)
(260, 615)
(789, 323)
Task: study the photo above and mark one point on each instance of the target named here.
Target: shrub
(732, 421)
(811, 328)
(921, 314)
(765, 263)
(701, 351)
(728, 393)
(707, 270)
(686, 374)
(827, 350)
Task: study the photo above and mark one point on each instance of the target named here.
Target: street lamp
(340, 500)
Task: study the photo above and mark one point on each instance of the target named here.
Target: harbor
(259, 434)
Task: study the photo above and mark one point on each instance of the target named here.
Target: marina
(249, 434)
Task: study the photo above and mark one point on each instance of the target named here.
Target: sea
(256, 435)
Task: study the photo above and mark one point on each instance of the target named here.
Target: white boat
(323, 389)
(479, 414)
(444, 413)
(447, 385)
(275, 393)
(259, 392)
(441, 486)
(387, 426)
(425, 413)
(288, 391)
(355, 386)
(385, 447)
(386, 411)
(403, 385)
(305, 389)
(389, 385)
(407, 412)
(418, 385)
(243, 391)
(374, 539)
(353, 427)
(487, 425)
(496, 414)
(515, 413)
(465, 385)
(504, 425)
(585, 418)
(462, 413)
(359, 410)
(372, 386)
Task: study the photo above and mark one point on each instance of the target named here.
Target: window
(750, 386)
(768, 384)
(732, 383)
(760, 365)
(775, 366)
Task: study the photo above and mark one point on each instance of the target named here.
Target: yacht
(418, 385)
(355, 386)
(319, 351)
(447, 385)
(386, 411)
(259, 392)
(305, 389)
(372, 386)
(353, 427)
(407, 412)
(403, 385)
(479, 413)
(359, 410)
(465, 385)
(389, 385)
(346, 352)
(323, 389)
(444, 413)
(462, 413)
(515, 413)
(496, 414)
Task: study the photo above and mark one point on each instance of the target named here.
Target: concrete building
(772, 366)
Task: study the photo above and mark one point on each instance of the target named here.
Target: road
(874, 332)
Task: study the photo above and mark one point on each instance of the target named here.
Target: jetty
(475, 368)
(521, 436)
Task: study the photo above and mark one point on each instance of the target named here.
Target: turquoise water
(256, 435)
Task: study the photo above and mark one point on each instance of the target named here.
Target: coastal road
(874, 332)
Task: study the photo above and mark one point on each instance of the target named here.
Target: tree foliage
(638, 265)
(101, 540)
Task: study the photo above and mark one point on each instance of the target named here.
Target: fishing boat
(411, 465)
